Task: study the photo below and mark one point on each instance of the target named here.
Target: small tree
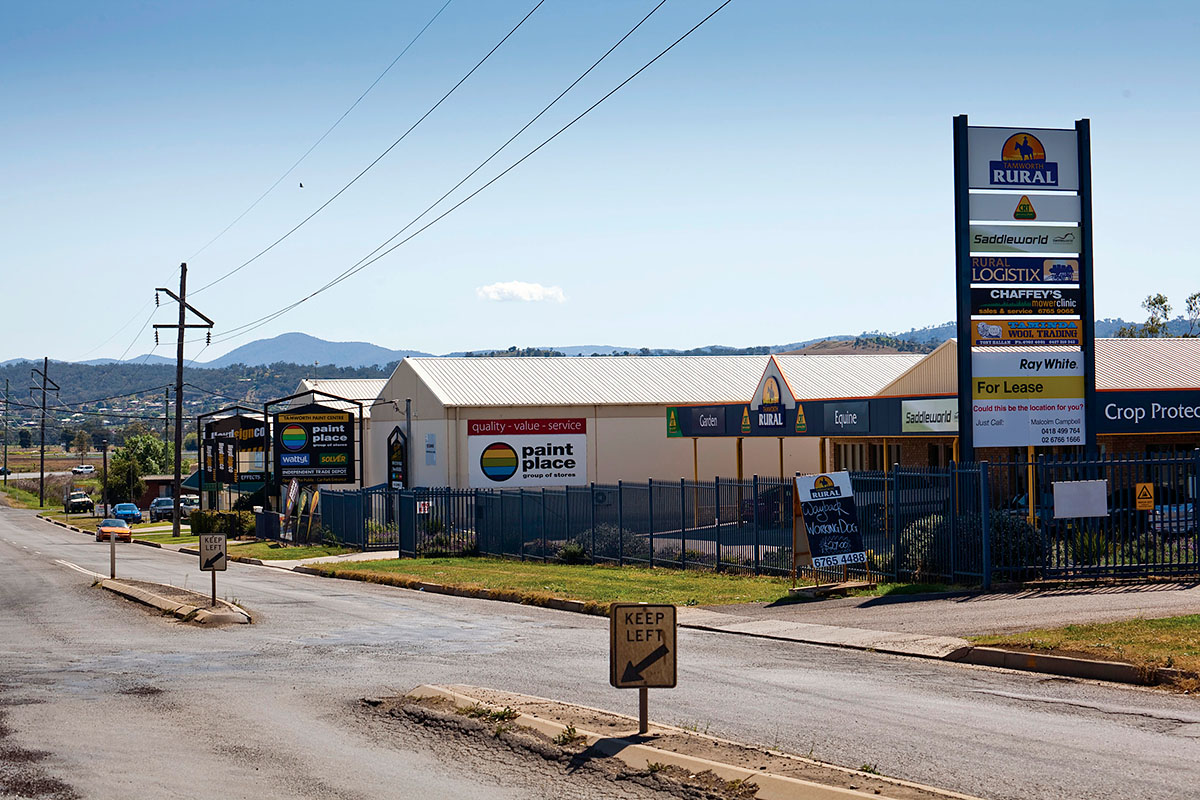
(24, 440)
(1193, 314)
(82, 444)
(1155, 326)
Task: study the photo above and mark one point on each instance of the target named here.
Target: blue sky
(785, 173)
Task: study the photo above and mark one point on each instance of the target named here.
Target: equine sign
(1023, 158)
(830, 519)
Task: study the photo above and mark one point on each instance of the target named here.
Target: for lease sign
(512, 453)
(1030, 398)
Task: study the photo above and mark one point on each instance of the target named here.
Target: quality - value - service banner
(504, 453)
(1023, 399)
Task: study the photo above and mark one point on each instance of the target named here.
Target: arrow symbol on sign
(633, 672)
(213, 560)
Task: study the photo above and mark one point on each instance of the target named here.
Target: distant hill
(300, 348)
(863, 344)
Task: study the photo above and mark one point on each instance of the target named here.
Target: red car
(116, 528)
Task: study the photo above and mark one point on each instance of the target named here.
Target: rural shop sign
(1024, 239)
(314, 444)
(847, 418)
(503, 453)
(1022, 158)
(830, 519)
(1024, 399)
(938, 415)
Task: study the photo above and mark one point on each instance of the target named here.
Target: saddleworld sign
(314, 444)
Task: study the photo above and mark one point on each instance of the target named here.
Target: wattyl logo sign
(293, 459)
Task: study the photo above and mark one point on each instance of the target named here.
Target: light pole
(104, 479)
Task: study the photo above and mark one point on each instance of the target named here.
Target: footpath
(917, 626)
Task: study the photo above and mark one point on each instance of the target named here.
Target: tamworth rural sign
(1023, 231)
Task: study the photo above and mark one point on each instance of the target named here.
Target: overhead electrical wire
(317, 143)
(364, 263)
(378, 158)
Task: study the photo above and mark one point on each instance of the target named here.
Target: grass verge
(1168, 642)
(596, 586)
(273, 551)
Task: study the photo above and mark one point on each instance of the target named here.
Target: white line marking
(78, 568)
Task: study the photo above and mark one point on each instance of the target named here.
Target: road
(270, 709)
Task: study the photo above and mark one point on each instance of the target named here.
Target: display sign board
(1025, 207)
(1022, 158)
(772, 399)
(642, 652)
(1023, 269)
(674, 430)
(1157, 411)
(1008, 333)
(315, 444)
(233, 450)
(847, 417)
(214, 554)
(1025, 301)
(929, 416)
(397, 449)
(830, 519)
(527, 452)
(1031, 398)
(1024, 239)
(1073, 499)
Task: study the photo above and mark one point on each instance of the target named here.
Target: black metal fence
(966, 523)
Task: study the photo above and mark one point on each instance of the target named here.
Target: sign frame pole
(1087, 311)
(962, 272)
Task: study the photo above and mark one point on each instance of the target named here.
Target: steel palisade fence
(961, 524)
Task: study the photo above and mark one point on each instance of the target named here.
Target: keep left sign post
(642, 652)
(214, 557)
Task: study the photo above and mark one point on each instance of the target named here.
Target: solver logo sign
(527, 452)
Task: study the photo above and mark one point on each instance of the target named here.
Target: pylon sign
(1025, 191)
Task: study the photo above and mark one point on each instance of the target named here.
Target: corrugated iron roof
(365, 390)
(598, 380)
(1147, 364)
(818, 377)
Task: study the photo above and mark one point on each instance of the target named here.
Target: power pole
(34, 373)
(166, 413)
(6, 431)
(180, 327)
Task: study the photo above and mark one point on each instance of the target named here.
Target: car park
(128, 512)
(117, 529)
(161, 508)
(78, 502)
(83, 469)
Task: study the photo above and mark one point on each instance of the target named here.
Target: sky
(784, 173)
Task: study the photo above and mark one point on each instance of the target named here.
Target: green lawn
(272, 551)
(1167, 642)
(593, 584)
(87, 521)
(185, 537)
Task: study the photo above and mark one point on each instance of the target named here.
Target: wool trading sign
(314, 444)
(1024, 192)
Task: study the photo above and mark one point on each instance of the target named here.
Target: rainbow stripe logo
(498, 461)
(294, 437)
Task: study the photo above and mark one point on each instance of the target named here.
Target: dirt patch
(505, 706)
(173, 593)
(21, 777)
(142, 691)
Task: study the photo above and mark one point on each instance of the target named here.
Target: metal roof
(1147, 364)
(596, 380)
(365, 390)
(819, 377)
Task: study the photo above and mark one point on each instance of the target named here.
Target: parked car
(128, 512)
(161, 508)
(118, 529)
(78, 502)
(5, 471)
(83, 469)
(1173, 518)
(187, 504)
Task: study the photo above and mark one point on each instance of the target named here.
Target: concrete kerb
(183, 611)
(636, 755)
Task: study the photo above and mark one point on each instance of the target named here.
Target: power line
(378, 158)
(315, 144)
(363, 264)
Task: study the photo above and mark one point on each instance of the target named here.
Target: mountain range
(301, 348)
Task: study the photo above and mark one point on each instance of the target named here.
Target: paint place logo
(1023, 163)
(294, 437)
(824, 487)
(499, 461)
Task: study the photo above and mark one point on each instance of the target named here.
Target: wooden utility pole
(180, 327)
(35, 373)
(6, 431)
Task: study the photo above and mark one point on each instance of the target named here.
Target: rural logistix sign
(315, 444)
(830, 519)
(1023, 399)
(504, 453)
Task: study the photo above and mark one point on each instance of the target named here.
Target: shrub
(609, 544)
(231, 523)
(572, 553)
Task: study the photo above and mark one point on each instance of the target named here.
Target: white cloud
(520, 290)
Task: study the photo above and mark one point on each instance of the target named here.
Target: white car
(83, 469)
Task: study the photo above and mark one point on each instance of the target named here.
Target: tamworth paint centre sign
(314, 444)
(504, 453)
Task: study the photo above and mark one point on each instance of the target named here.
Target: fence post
(521, 519)
(650, 511)
(754, 517)
(896, 529)
(363, 514)
(592, 512)
(620, 527)
(682, 518)
(717, 511)
(545, 546)
(985, 522)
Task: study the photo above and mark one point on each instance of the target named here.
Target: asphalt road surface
(128, 704)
